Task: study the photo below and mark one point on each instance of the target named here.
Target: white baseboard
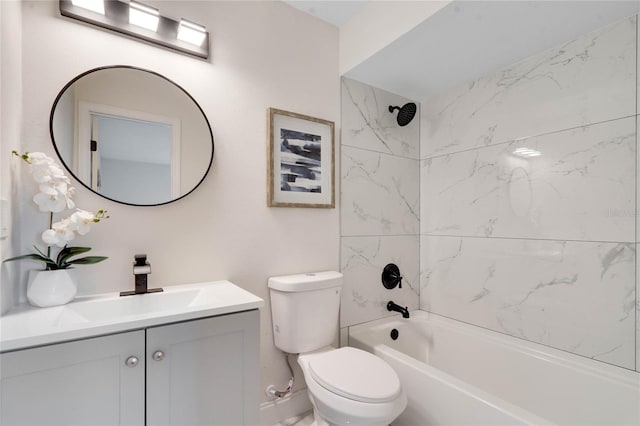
(295, 404)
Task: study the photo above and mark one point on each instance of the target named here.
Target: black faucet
(397, 308)
(141, 268)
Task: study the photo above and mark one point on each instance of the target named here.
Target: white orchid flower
(41, 174)
(37, 156)
(60, 234)
(38, 159)
(41, 170)
(68, 195)
(54, 185)
(54, 203)
(81, 221)
(44, 168)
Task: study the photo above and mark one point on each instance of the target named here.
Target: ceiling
(469, 39)
(335, 12)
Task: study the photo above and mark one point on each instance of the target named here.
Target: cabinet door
(207, 374)
(84, 382)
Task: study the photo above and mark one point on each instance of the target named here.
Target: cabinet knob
(158, 356)
(132, 361)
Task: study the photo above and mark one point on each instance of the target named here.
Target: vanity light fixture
(190, 32)
(144, 16)
(96, 6)
(142, 22)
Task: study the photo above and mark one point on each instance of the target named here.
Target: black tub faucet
(397, 308)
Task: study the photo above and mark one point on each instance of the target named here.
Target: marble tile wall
(587, 80)
(637, 210)
(528, 182)
(380, 191)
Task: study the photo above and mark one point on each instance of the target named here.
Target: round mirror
(131, 135)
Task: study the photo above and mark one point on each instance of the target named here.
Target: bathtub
(458, 374)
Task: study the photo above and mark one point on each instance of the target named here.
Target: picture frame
(301, 163)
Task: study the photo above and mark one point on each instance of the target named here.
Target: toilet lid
(355, 374)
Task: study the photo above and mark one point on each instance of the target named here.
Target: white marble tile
(636, 211)
(574, 296)
(637, 65)
(638, 329)
(367, 122)
(637, 312)
(587, 80)
(581, 186)
(637, 240)
(364, 298)
(380, 193)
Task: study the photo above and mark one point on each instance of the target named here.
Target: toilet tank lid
(306, 282)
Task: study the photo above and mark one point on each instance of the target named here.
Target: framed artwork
(300, 159)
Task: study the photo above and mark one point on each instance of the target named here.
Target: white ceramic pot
(51, 288)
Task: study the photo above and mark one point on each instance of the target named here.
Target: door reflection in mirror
(131, 159)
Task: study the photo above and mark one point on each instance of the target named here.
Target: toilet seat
(340, 409)
(356, 375)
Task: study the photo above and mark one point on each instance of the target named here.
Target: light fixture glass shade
(191, 33)
(92, 5)
(143, 16)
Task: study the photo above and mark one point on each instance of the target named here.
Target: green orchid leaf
(34, 256)
(68, 252)
(89, 260)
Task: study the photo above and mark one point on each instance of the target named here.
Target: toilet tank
(304, 310)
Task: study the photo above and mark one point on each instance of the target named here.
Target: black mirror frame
(53, 140)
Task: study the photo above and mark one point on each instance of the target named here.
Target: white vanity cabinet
(197, 372)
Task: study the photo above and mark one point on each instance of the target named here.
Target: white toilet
(347, 386)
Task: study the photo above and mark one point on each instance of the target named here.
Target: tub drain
(394, 334)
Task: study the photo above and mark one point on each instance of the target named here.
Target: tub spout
(397, 308)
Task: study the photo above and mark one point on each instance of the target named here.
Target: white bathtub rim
(469, 390)
(624, 376)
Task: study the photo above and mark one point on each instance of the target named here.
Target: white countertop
(87, 316)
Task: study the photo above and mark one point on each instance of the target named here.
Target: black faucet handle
(141, 259)
(391, 276)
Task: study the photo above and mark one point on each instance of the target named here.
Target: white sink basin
(87, 316)
(139, 304)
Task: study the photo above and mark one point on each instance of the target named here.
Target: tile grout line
(530, 137)
(380, 152)
(637, 318)
(485, 238)
(526, 239)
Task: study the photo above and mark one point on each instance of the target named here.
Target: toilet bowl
(346, 386)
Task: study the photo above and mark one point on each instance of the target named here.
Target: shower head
(405, 114)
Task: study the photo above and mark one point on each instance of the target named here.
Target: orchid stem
(50, 227)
